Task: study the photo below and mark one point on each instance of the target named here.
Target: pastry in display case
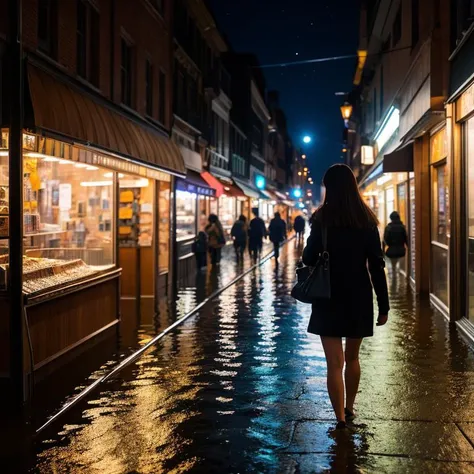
(40, 274)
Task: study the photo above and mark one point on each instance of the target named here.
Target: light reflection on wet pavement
(241, 388)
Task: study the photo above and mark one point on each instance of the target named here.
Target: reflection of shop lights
(36, 155)
(111, 175)
(51, 159)
(388, 127)
(3, 153)
(65, 162)
(81, 165)
(384, 179)
(134, 183)
(90, 184)
(92, 168)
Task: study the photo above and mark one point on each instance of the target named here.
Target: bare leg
(335, 363)
(352, 372)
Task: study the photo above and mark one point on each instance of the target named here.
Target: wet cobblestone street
(240, 388)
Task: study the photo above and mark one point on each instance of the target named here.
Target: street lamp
(306, 139)
(346, 111)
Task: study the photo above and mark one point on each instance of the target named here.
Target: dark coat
(395, 238)
(277, 230)
(299, 224)
(350, 311)
(239, 232)
(257, 232)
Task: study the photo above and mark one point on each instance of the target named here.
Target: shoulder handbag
(314, 283)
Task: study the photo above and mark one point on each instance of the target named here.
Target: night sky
(281, 31)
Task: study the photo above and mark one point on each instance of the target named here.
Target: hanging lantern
(367, 155)
(346, 110)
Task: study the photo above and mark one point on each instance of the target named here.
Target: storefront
(88, 217)
(194, 200)
(458, 171)
(251, 196)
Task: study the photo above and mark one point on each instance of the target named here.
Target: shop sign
(388, 128)
(465, 104)
(367, 155)
(29, 140)
(192, 188)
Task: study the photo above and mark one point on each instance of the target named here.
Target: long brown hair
(343, 205)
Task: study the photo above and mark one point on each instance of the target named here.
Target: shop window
(185, 215)
(164, 225)
(135, 211)
(162, 98)
(126, 73)
(68, 216)
(4, 210)
(149, 88)
(470, 214)
(48, 27)
(88, 42)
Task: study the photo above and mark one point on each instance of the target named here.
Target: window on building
(415, 22)
(397, 28)
(48, 27)
(149, 87)
(88, 42)
(126, 72)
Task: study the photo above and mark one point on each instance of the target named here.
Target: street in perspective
(237, 237)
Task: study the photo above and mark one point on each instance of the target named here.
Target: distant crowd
(245, 235)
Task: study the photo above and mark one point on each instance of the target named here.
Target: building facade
(411, 119)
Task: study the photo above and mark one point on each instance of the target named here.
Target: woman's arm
(314, 246)
(377, 272)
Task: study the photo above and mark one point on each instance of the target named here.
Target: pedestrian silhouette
(239, 233)
(395, 240)
(257, 232)
(277, 232)
(299, 225)
(216, 237)
(353, 241)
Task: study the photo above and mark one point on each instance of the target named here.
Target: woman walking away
(239, 234)
(216, 236)
(395, 240)
(277, 232)
(352, 242)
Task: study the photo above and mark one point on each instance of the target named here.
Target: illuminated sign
(388, 128)
(260, 182)
(367, 155)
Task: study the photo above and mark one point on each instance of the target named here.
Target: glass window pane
(470, 213)
(164, 225)
(4, 217)
(68, 216)
(439, 273)
(185, 215)
(135, 211)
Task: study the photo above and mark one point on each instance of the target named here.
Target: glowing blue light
(297, 193)
(301, 205)
(260, 182)
(306, 139)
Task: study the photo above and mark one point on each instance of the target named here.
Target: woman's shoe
(349, 414)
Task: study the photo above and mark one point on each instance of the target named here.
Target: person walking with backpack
(344, 231)
(239, 234)
(277, 232)
(395, 240)
(216, 236)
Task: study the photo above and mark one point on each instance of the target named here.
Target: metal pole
(174, 261)
(156, 245)
(16, 203)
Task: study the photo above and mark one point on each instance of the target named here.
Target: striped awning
(61, 108)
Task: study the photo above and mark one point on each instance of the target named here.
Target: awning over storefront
(280, 195)
(62, 109)
(429, 120)
(249, 192)
(191, 158)
(214, 183)
(194, 184)
(231, 190)
(400, 160)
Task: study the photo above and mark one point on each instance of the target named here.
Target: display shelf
(47, 232)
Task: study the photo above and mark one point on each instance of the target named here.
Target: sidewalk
(241, 388)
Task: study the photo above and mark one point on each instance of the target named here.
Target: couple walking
(256, 232)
